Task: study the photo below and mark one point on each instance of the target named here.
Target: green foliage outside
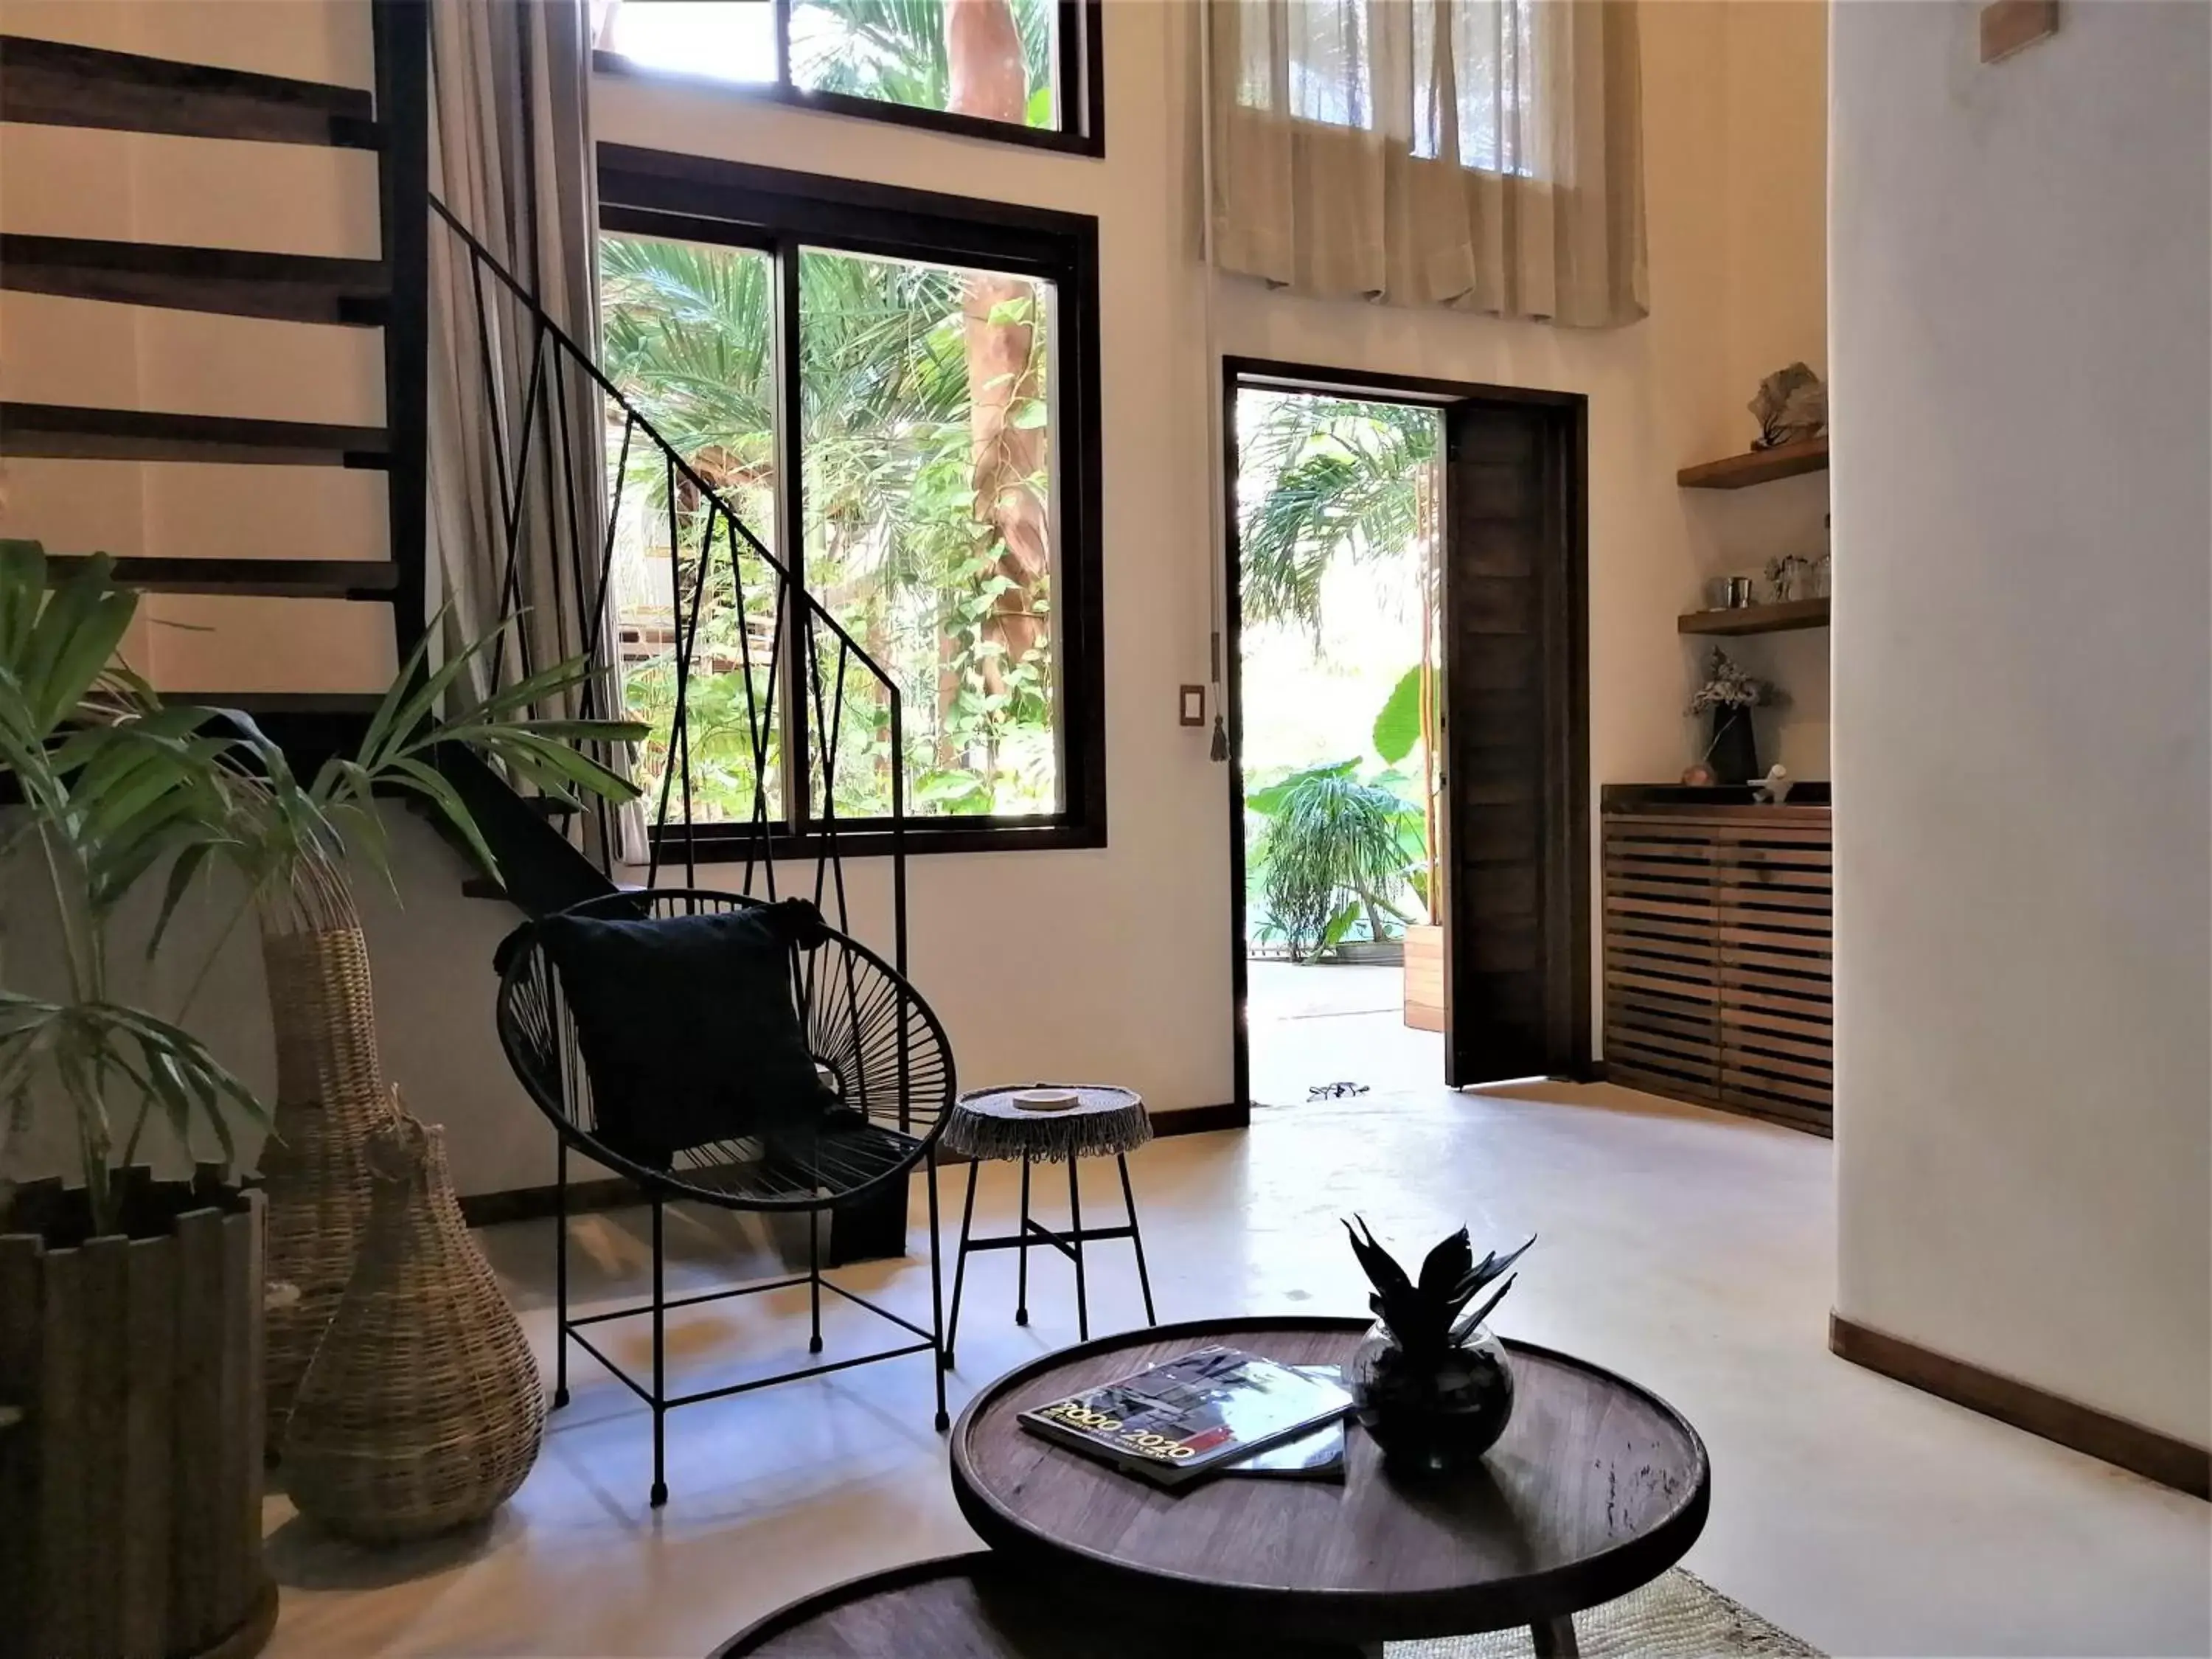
(1338, 850)
(1325, 478)
(1334, 857)
(895, 50)
(903, 543)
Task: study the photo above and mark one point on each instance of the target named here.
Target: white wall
(2019, 284)
(1116, 962)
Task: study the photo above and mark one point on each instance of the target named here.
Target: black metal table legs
(1069, 1243)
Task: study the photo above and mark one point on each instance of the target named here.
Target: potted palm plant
(131, 1307)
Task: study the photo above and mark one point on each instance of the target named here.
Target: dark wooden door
(1516, 745)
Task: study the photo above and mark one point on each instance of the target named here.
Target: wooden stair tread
(279, 703)
(58, 431)
(343, 579)
(54, 84)
(300, 287)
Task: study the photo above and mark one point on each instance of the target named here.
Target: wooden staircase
(51, 83)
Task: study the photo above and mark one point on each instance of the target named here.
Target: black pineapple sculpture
(1432, 1386)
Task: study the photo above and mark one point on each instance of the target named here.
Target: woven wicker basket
(330, 1100)
(423, 1410)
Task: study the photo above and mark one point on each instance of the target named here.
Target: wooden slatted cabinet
(1718, 953)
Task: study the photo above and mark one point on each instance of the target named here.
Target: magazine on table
(1316, 1455)
(1192, 1416)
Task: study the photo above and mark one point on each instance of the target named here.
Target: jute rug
(1676, 1616)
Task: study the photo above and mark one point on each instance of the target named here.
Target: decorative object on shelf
(1789, 577)
(1739, 593)
(1730, 695)
(130, 1308)
(1697, 776)
(1824, 575)
(1792, 405)
(1431, 1383)
(1774, 789)
(423, 1410)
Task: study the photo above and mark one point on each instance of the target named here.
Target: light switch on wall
(1192, 711)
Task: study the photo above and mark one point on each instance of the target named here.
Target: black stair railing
(815, 708)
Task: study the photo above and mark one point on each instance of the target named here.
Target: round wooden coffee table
(1596, 1486)
(980, 1606)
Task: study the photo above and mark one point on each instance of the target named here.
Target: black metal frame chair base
(1033, 1233)
(660, 1305)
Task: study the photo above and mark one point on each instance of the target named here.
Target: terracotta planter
(131, 1481)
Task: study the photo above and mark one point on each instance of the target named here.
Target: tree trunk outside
(983, 52)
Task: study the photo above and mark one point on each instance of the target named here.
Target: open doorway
(1407, 694)
(1340, 506)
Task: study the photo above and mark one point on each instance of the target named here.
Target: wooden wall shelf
(1783, 617)
(1758, 467)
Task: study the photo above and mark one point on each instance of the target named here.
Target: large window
(896, 394)
(1025, 71)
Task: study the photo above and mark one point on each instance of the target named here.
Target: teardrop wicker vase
(330, 1100)
(423, 1410)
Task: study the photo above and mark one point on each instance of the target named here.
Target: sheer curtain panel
(1483, 155)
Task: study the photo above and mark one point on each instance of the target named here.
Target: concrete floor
(1323, 1022)
(1691, 1250)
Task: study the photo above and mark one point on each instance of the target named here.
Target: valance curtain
(512, 157)
(1482, 155)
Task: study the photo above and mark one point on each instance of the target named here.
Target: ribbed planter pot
(331, 1098)
(130, 1425)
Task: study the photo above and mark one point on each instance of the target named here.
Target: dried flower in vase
(1727, 686)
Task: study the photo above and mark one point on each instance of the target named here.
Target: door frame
(1567, 855)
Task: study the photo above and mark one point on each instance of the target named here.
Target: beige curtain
(1483, 155)
(512, 157)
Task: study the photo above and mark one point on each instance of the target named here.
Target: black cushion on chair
(687, 1024)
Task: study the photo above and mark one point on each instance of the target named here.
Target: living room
(1860, 1329)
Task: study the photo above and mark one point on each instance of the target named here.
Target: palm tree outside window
(907, 423)
(1024, 71)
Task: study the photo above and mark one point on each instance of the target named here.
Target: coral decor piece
(1792, 405)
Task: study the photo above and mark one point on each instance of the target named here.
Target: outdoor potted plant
(1332, 854)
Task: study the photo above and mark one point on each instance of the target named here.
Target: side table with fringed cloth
(1105, 1122)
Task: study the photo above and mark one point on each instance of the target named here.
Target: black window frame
(648, 192)
(1081, 102)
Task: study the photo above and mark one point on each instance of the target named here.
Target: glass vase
(1431, 1415)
